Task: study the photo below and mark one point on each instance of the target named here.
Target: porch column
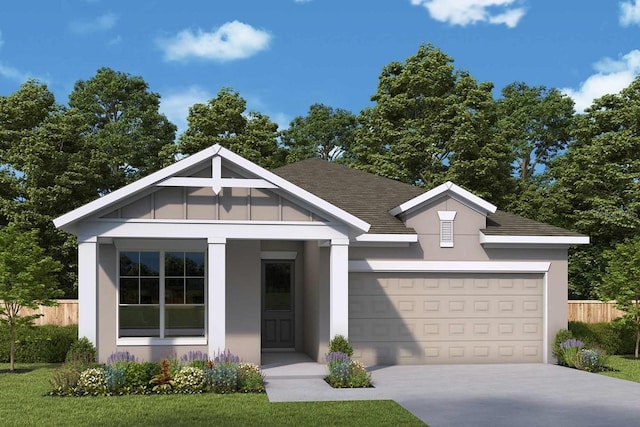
(88, 288)
(216, 284)
(339, 288)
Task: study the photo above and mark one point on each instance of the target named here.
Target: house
(215, 252)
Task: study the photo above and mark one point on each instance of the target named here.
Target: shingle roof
(367, 196)
(371, 197)
(505, 224)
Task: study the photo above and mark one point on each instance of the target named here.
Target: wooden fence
(593, 311)
(66, 313)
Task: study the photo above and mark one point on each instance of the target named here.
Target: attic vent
(446, 228)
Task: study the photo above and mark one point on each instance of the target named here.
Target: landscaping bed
(24, 403)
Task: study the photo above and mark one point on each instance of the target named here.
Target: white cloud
(629, 13)
(467, 12)
(612, 75)
(176, 105)
(233, 40)
(101, 23)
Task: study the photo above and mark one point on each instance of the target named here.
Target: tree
(20, 114)
(622, 282)
(431, 124)
(127, 134)
(224, 120)
(595, 188)
(536, 123)
(325, 133)
(27, 280)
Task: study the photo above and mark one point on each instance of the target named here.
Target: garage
(431, 318)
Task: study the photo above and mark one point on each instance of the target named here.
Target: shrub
(82, 351)
(359, 376)
(114, 377)
(568, 352)
(250, 379)
(190, 380)
(339, 344)
(161, 382)
(65, 380)
(616, 337)
(222, 377)
(37, 344)
(590, 359)
(137, 376)
(120, 357)
(195, 359)
(346, 373)
(562, 336)
(92, 382)
(226, 357)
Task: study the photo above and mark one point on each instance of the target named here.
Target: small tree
(27, 279)
(622, 282)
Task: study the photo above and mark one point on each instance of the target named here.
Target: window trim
(162, 340)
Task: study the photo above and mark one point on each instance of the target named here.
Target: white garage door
(446, 318)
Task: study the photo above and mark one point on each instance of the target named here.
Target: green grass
(22, 403)
(623, 367)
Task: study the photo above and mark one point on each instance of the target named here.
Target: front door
(277, 304)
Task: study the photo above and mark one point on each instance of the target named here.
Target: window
(162, 294)
(446, 228)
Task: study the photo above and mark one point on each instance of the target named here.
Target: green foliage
(24, 403)
(562, 336)
(613, 337)
(223, 377)
(346, 373)
(129, 138)
(190, 380)
(595, 187)
(223, 121)
(622, 282)
(325, 132)
(35, 344)
(27, 279)
(82, 352)
(340, 344)
(432, 123)
(137, 375)
(590, 360)
(250, 378)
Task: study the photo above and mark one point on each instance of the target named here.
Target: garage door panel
(411, 284)
(446, 318)
(488, 329)
(421, 306)
(411, 352)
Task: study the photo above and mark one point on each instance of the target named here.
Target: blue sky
(284, 55)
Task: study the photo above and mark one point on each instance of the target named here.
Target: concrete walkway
(475, 395)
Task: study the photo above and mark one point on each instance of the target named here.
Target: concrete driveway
(483, 395)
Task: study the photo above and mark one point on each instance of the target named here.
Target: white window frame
(162, 340)
(447, 235)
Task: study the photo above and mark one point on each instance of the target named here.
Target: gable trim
(216, 150)
(450, 188)
(402, 266)
(503, 241)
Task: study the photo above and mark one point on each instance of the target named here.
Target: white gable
(174, 175)
(446, 189)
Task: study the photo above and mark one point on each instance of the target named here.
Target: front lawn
(22, 402)
(623, 367)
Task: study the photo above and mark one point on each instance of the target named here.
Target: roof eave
(511, 240)
(452, 189)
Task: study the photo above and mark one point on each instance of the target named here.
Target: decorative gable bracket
(217, 182)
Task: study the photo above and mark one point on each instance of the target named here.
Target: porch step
(291, 366)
